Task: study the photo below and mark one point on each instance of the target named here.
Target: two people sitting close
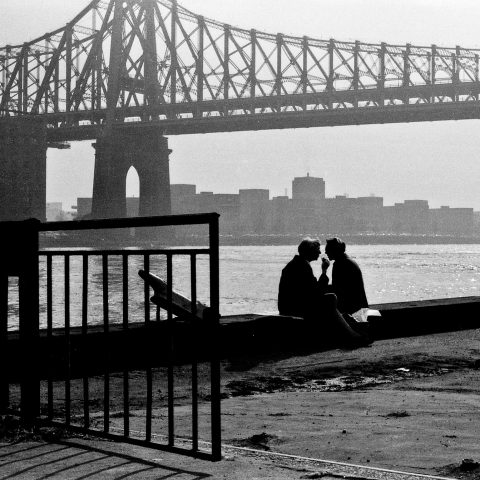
(328, 307)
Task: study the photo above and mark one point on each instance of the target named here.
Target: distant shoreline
(119, 240)
(350, 239)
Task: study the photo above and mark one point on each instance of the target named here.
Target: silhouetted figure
(301, 294)
(347, 279)
(299, 291)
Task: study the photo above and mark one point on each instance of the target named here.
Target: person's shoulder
(352, 262)
(291, 263)
(296, 263)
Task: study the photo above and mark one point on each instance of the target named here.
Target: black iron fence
(101, 369)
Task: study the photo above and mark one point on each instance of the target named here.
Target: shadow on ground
(70, 459)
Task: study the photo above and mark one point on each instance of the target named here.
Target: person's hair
(335, 245)
(308, 245)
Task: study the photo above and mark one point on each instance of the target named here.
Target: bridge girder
(152, 61)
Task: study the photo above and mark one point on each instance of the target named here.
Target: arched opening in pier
(69, 181)
(132, 192)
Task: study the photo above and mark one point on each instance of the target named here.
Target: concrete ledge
(150, 344)
(403, 319)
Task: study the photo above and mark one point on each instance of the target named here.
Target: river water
(249, 277)
(392, 273)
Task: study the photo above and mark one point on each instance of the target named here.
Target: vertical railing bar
(126, 395)
(148, 418)
(193, 295)
(148, 426)
(215, 361)
(4, 383)
(49, 337)
(171, 411)
(146, 267)
(67, 341)
(86, 399)
(106, 384)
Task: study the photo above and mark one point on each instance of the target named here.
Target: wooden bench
(180, 306)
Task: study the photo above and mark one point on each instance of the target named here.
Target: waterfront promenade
(404, 404)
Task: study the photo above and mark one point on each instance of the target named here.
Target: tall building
(368, 213)
(54, 211)
(412, 216)
(339, 215)
(183, 198)
(308, 188)
(133, 205)
(84, 207)
(476, 223)
(452, 221)
(281, 214)
(308, 200)
(254, 209)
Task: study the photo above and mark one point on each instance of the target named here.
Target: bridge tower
(23, 163)
(121, 147)
(146, 149)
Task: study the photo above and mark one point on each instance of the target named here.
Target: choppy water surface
(249, 278)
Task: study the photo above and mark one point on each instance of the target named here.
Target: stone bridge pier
(145, 149)
(23, 167)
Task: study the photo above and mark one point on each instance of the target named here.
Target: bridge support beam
(23, 169)
(146, 150)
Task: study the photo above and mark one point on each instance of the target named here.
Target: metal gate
(96, 367)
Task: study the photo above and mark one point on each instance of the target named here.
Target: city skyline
(436, 161)
(289, 193)
(254, 211)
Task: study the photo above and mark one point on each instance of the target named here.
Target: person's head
(309, 249)
(334, 248)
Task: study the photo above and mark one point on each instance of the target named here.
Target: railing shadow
(68, 459)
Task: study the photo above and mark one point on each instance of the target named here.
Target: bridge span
(123, 72)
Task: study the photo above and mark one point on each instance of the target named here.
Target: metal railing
(81, 364)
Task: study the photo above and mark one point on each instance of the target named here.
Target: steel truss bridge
(153, 62)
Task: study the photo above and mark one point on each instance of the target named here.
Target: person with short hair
(347, 279)
(299, 290)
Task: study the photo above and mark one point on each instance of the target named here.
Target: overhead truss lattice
(151, 61)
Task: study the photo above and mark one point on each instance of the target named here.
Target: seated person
(299, 291)
(301, 294)
(347, 279)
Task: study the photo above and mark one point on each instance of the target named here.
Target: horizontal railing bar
(162, 251)
(107, 223)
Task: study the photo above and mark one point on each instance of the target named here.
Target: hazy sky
(437, 161)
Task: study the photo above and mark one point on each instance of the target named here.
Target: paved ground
(95, 460)
(409, 404)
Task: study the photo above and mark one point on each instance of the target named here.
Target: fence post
(20, 247)
(27, 256)
(215, 317)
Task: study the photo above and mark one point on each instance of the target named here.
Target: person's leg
(336, 325)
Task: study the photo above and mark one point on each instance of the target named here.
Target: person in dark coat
(299, 290)
(347, 279)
